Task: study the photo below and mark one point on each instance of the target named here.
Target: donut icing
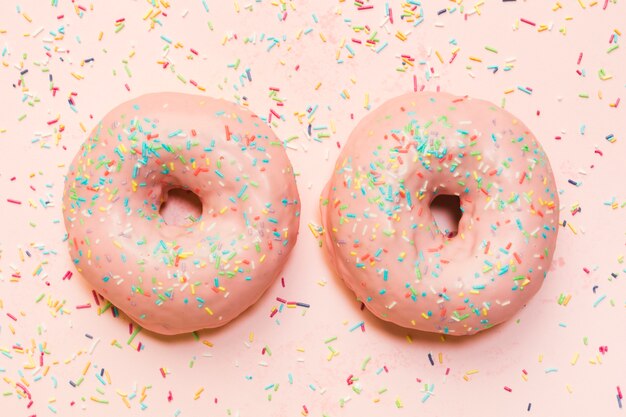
(384, 241)
(177, 278)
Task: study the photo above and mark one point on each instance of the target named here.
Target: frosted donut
(200, 272)
(384, 241)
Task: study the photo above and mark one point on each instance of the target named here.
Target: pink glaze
(384, 241)
(176, 278)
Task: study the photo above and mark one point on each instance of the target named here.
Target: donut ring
(384, 241)
(173, 278)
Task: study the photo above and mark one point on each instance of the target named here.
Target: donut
(389, 249)
(192, 273)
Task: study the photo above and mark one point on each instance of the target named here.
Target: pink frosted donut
(381, 233)
(196, 272)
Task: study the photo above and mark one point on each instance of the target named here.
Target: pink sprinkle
(10, 200)
(95, 296)
(528, 22)
(580, 58)
(507, 389)
(11, 316)
(24, 389)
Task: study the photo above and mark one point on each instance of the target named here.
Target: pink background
(236, 375)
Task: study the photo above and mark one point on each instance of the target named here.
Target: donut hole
(180, 207)
(446, 210)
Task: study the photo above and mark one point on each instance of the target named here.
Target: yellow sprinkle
(401, 36)
(439, 56)
(198, 393)
(313, 231)
(569, 224)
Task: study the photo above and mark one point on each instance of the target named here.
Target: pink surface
(572, 351)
